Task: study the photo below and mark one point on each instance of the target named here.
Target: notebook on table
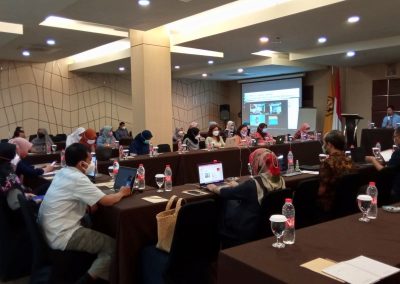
(125, 177)
(211, 173)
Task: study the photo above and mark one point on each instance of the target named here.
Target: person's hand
(125, 191)
(212, 187)
(48, 168)
(369, 159)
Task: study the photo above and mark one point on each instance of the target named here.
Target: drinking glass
(184, 148)
(376, 152)
(278, 224)
(111, 172)
(347, 154)
(322, 157)
(155, 151)
(53, 148)
(160, 181)
(364, 203)
(126, 153)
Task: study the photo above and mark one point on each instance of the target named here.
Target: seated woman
(19, 132)
(332, 168)
(230, 129)
(302, 133)
(262, 136)
(191, 139)
(242, 137)
(88, 139)
(242, 215)
(178, 134)
(214, 139)
(41, 142)
(75, 136)
(24, 169)
(106, 138)
(141, 142)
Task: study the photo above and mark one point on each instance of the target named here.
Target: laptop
(125, 177)
(280, 139)
(230, 142)
(211, 173)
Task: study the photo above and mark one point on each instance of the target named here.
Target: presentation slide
(275, 103)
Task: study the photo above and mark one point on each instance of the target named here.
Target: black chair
(59, 138)
(164, 148)
(51, 266)
(385, 181)
(103, 153)
(272, 204)
(4, 141)
(15, 246)
(194, 248)
(305, 203)
(31, 137)
(346, 190)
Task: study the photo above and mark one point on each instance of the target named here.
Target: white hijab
(74, 136)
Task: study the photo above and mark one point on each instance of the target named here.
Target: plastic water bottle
(290, 165)
(151, 149)
(168, 178)
(141, 177)
(48, 148)
(115, 168)
(121, 152)
(289, 212)
(62, 158)
(378, 145)
(297, 167)
(373, 192)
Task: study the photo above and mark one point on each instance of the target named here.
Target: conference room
(160, 66)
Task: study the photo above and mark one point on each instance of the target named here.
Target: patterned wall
(46, 95)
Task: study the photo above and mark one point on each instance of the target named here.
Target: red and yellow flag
(333, 113)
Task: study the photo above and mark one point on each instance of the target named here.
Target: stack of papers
(360, 270)
(155, 199)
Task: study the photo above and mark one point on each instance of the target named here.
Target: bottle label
(290, 222)
(374, 200)
(168, 178)
(140, 177)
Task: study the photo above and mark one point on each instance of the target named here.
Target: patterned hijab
(8, 179)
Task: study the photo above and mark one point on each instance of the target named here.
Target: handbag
(166, 221)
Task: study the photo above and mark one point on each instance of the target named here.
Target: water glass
(364, 204)
(116, 144)
(111, 172)
(278, 224)
(53, 148)
(322, 157)
(376, 152)
(348, 154)
(160, 181)
(125, 154)
(155, 151)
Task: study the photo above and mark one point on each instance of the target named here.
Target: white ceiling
(376, 38)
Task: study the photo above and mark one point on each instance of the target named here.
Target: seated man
(121, 132)
(65, 204)
(391, 118)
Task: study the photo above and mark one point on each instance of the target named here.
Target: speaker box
(224, 112)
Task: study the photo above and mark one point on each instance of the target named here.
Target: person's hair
(240, 129)
(260, 128)
(17, 131)
(390, 106)
(191, 134)
(211, 130)
(397, 131)
(336, 138)
(75, 153)
(121, 123)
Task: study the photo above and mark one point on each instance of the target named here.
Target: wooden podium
(350, 128)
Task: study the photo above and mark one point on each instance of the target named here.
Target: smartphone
(393, 209)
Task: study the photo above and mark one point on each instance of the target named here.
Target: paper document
(361, 270)
(387, 154)
(318, 264)
(155, 199)
(310, 172)
(50, 173)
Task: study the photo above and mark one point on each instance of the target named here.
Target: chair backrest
(305, 203)
(164, 148)
(195, 244)
(126, 141)
(103, 153)
(4, 141)
(31, 137)
(385, 180)
(272, 204)
(346, 191)
(39, 245)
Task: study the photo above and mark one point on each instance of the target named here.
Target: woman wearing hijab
(106, 138)
(230, 129)
(242, 217)
(88, 138)
(141, 143)
(75, 136)
(24, 168)
(191, 139)
(302, 133)
(41, 142)
(262, 136)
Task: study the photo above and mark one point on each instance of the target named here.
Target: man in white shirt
(65, 204)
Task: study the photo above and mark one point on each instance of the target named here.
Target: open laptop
(125, 177)
(211, 173)
(280, 139)
(230, 142)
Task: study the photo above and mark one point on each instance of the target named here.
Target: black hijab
(191, 134)
(7, 153)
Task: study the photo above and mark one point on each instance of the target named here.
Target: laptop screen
(211, 173)
(125, 177)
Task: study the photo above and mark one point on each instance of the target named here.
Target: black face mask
(40, 135)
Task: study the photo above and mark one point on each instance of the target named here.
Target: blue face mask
(146, 141)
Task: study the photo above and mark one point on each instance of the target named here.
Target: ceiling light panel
(11, 28)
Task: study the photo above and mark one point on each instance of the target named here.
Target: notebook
(210, 173)
(125, 177)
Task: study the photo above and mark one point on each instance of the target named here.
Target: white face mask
(216, 133)
(91, 142)
(243, 133)
(198, 137)
(265, 130)
(123, 127)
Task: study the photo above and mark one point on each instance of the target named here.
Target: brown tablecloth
(339, 240)
(369, 138)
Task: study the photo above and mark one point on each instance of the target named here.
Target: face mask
(40, 135)
(146, 141)
(91, 142)
(243, 133)
(197, 137)
(110, 133)
(265, 130)
(216, 133)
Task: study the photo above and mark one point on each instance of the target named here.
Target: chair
(103, 153)
(272, 204)
(125, 141)
(164, 148)
(15, 247)
(194, 248)
(384, 182)
(51, 266)
(346, 191)
(31, 137)
(305, 203)
(4, 141)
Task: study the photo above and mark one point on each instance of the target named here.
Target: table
(369, 138)
(184, 166)
(339, 240)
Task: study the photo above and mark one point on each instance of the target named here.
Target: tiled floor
(19, 281)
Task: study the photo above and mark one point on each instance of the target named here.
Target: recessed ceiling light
(121, 68)
(51, 41)
(144, 2)
(350, 53)
(264, 39)
(177, 67)
(240, 70)
(353, 19)
(204, 75)
(322, 39)
(26, 53)
(210, 62)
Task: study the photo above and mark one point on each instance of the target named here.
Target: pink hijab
(22, 144)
